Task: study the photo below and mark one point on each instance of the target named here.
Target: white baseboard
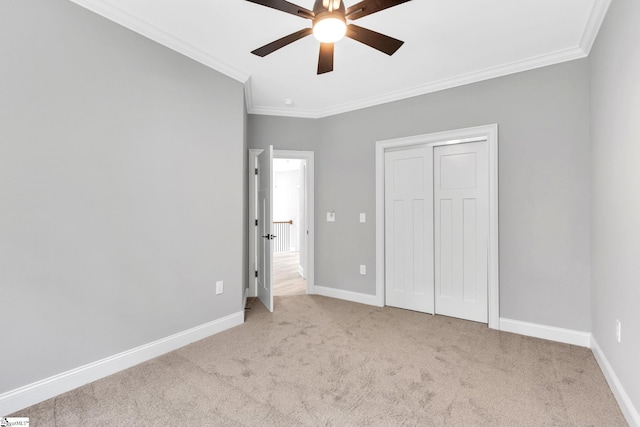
(39, 391)
(551, 333)
(347, 295)
(626, 405)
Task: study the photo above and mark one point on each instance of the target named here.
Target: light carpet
(319, 361)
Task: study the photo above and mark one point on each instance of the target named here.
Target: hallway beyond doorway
(286, 277)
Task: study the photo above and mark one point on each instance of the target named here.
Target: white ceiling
(448, 43)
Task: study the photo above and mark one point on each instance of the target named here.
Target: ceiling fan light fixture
(329, 28)
(329, 25)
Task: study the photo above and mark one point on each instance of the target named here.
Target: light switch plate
(219, 287)
(363, 269)
(363, 217)
(331, 216)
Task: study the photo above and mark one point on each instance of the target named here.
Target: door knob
(269, 237)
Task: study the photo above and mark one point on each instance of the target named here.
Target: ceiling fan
(329, 24)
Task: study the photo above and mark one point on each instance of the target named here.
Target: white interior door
(409, 229)
(461, 209)
(265, 228)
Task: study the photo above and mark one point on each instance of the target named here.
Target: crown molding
(248, 94)
(152, 32)
(596, 18)
(285, 112)
(119, 16)
(461, 80)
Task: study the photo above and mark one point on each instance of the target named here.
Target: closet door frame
(488, 133)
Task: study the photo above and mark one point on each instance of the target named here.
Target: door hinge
(256, 273)
(256, 171)
(256, 222)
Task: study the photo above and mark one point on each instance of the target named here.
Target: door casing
(479, 133)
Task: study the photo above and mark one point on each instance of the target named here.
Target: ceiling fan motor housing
(321, 6)
(329, 24)
(321, 12)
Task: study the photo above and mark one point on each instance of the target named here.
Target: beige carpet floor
(319, 361)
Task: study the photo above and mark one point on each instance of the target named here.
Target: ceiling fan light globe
(329, 29)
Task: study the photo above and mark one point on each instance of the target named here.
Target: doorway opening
(289, 257)
(291, 271)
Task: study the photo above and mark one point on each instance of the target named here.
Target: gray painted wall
(121, 190)
(615, 124)
(543, 118)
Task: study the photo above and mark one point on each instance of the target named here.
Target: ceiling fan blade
(287, 7)
(367, 7)
(273, 46)
(325, 62)
(378, 41)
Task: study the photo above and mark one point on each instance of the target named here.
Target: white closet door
(409, 229)
(461, 208)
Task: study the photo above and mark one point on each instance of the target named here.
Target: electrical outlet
(331, 216)
(618, 330)
(219, 287)
(363, 269)
(363, 217)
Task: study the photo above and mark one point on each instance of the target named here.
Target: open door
(265, 228)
